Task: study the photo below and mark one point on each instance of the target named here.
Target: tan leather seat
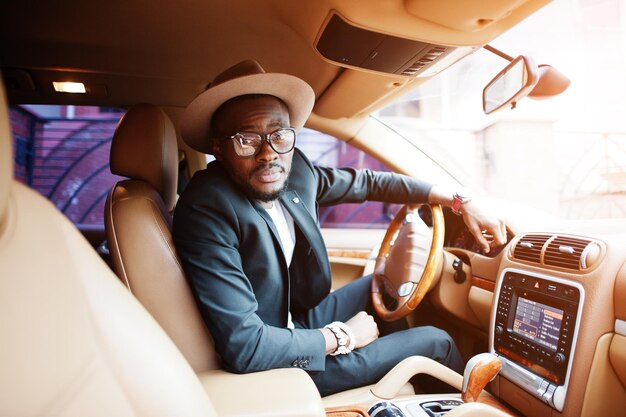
(138, 226)
(73, 341)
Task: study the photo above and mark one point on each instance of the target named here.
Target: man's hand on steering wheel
(488, 229)
(410, 254)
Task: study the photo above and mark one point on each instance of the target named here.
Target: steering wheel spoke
(407, 261)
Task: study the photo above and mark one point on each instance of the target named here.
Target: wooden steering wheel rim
(411, 301)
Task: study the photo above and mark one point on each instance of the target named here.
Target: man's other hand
(364, 328)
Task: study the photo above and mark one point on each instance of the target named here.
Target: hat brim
(195, 123)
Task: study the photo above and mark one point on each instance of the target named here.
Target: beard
(253, 193)
(265, 197)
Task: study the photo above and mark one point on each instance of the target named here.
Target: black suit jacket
(231, 254)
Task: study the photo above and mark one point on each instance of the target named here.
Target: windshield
(565, 155)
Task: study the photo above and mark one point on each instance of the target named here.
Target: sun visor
(346, 96)
(466, 15)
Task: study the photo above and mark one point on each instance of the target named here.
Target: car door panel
(352, 252)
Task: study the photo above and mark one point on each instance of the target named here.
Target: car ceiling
(167, 52)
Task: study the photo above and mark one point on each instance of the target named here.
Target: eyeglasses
(249, 144)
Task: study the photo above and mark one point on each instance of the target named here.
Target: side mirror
(512, 84)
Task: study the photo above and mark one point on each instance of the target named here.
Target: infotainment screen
(538, 322)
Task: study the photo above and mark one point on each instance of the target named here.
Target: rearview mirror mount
(512, 84)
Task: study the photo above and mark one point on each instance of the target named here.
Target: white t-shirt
(287, 234)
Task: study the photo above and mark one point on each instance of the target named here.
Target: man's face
(264, 176)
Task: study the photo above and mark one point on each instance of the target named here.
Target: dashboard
(548, 304)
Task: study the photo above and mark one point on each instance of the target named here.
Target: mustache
(269, 165)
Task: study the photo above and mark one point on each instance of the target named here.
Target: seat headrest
(144, 148)
(6, 156)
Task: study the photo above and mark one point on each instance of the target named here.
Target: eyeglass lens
(249, 143)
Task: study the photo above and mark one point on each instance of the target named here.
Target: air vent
(566, 252)
(570, 253)
(528, 248)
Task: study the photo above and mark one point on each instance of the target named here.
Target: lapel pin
(295, 200)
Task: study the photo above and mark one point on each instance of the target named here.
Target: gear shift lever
(479, 370)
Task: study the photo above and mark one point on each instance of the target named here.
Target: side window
(326, 150)
(63, 153)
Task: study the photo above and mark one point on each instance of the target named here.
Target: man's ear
(217, 149)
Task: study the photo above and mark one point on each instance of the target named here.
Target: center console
(534, 330)
(436, 406)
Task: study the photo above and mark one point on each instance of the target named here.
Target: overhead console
(534, 330)
(348, 45)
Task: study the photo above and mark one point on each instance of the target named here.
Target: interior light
(69, 87)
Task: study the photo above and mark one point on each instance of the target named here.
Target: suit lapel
(307, 224)
(304, 221)
(268, 219)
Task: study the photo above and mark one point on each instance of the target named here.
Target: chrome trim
(585, 253)
(530, 382)
(566, 249)
(412, 406)
(405, 289)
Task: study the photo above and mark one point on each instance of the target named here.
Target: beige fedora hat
(246, 77)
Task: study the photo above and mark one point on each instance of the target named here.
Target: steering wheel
(407, 261)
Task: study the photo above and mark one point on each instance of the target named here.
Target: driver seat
(138, 226)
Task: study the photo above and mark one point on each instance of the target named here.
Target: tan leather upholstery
(6, 162)
(138, 227)
(285, 392)
(74, 342)
(620, 294)
(143, 149)
(605, 392)
(606, 386)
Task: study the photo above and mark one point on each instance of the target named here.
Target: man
(247, 234)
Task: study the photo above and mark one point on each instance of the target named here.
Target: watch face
(457, 201)
(464, 194)
(463, 198)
